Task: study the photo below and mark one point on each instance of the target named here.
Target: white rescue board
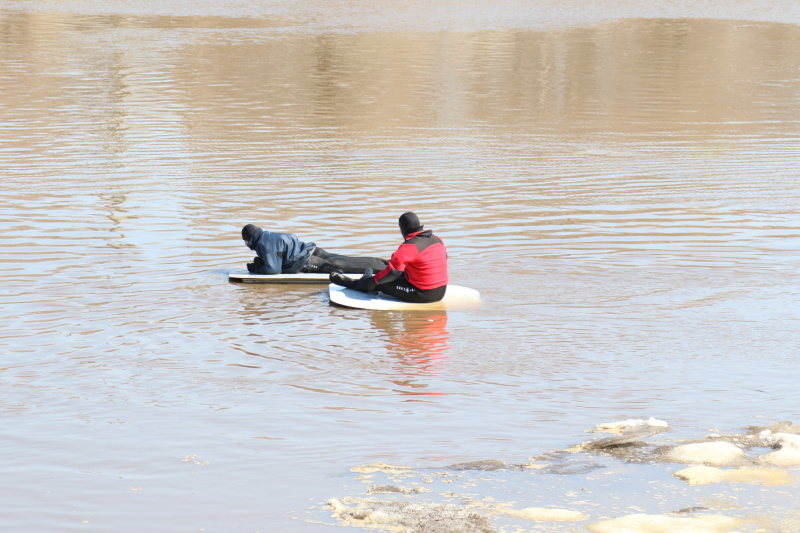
(243, 276)
(456, 298)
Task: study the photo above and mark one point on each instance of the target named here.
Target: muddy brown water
(620, 183)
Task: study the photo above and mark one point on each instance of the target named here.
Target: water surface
(620, 183)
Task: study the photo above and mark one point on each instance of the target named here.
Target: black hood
(409, 223)
(248, 231)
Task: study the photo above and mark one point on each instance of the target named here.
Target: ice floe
(627, 425)
(545, 514)
(379, 467)
(719, 453)
(409, 516)
(761, 456)
(704, 475)
(787, 452)
(646, 523)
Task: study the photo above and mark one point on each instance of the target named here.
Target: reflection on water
(619, 183)
(419, 343)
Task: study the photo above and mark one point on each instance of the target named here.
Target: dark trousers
(322, 261)
(403, 290)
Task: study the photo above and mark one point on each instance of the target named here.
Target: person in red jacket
(417, 271)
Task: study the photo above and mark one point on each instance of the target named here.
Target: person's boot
(366, 283)
(340, 279)
(328, 268)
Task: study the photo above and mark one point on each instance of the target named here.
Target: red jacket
(423, 260)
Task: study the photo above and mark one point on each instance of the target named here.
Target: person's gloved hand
(252, 267)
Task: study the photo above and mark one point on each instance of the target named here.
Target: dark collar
(423, 233)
